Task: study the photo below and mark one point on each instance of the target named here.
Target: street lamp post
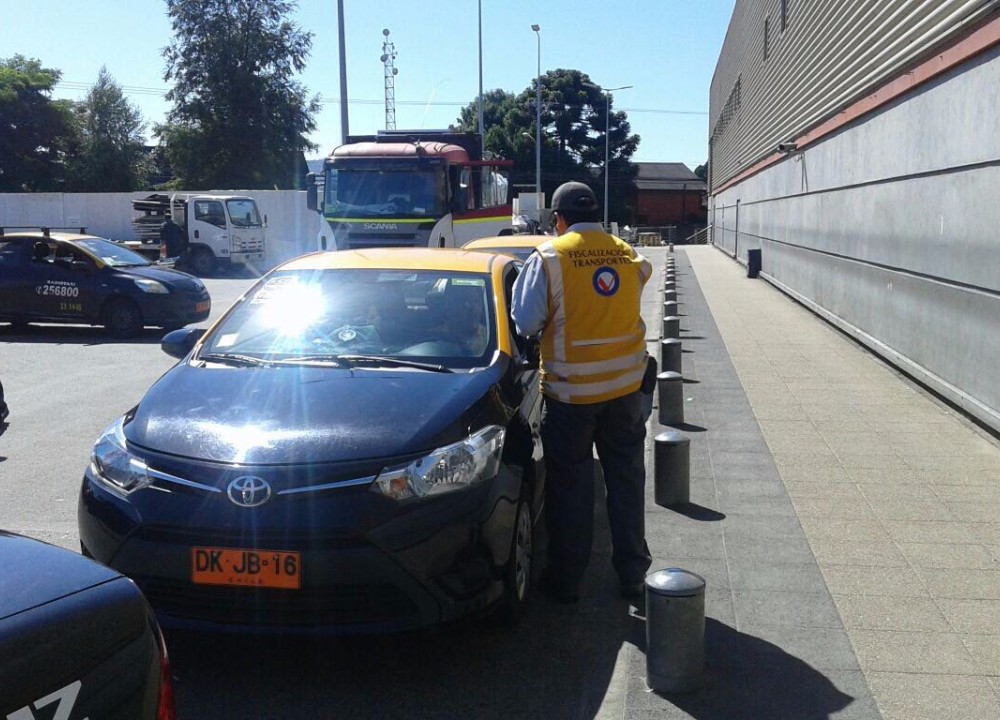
(607, 132)
(538, 128)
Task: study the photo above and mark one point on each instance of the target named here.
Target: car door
(524, 370)
(60, 286)
(15, 254)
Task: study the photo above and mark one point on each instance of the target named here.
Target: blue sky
(666, 49)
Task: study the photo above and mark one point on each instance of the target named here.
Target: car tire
(202, 261)
(517, 571)
(122, 318)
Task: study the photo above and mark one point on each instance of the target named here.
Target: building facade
(667, 194)
(856, 145)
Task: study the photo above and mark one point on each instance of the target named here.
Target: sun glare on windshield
(291, 307)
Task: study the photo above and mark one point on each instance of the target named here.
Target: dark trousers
(569, 433)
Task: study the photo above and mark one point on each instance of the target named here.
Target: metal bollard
(669, 295)
(670, 355)
(670, 285)
(670, 307)
(671, 326)
(671, 247)
(672, 468)
(675, 630)
(671, 388)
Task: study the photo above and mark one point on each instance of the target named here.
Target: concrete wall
(292, 228)
(890, 228)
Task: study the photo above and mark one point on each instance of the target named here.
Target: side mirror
(178, 343)
(312, 201)
(80, 265)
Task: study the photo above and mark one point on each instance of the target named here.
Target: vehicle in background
(71, 277)
(221, 230)
(520, 246)
(77, 640)
(410, 188)
(353, 447)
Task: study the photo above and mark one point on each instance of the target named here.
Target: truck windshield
(370, 190)
(243, 213)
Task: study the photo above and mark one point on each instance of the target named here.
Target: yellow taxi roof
(40, 235)
(397, 258)
(514, 241)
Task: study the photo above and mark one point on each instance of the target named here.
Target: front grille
(345, 605)
(251, 537)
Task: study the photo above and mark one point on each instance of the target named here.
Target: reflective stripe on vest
(594, 346)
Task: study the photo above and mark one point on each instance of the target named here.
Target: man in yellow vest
(580, 292)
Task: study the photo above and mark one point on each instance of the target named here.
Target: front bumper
(367, 564)
(175, 309)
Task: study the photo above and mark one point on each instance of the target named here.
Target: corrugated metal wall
(828, 54)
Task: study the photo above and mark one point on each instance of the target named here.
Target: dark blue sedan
(63, 277)
(353, 447)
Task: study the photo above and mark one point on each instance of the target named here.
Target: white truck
(221, 230)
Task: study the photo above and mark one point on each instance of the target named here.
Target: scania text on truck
(221, 230)
(410, 188)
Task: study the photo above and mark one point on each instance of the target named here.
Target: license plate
(251, 568)
(202, 306)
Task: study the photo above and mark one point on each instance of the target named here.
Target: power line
(139, 90)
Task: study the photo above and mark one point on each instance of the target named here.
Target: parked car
(353, 447)
(77, 640)
(520, 246)
(63, 277)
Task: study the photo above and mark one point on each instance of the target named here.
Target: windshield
(521, 253)
(243, 213)
(367, 190)
(111, 253)
(435, 317)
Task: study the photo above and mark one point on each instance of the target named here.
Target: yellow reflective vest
(593, 346)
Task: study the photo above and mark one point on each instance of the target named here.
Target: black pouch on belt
(649, 378)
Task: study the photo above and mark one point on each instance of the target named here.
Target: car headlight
(113, 465)
(151, 286)
(452, 467)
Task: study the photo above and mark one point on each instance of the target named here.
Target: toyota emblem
(249, 491)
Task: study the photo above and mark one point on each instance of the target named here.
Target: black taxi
(71, 277)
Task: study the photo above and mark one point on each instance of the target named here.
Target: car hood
(295, 414)
(36, 573)
(165, 275)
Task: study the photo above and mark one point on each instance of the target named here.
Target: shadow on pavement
(746, 677)
(698, 512)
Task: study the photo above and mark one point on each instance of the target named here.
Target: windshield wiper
(329, 358)
(234, 359)
(382, 361)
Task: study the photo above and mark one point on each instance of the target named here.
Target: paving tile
(875, 612)
(911, 696)
(751, 574)
(897, 508)
(985, 651)
(974, 511)
(972, 616)
(912, 652)
(867, 530)
(842, 508)
(899, 582)
(916, 531)
(962, 583)
(948, 556)
(830, 551)
(760, 608)
(813, 489)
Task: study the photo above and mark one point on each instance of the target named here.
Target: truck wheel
(202, 261)
(121, 318)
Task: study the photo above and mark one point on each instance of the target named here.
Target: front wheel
(202, 261)
(517, 572)
(122, 318)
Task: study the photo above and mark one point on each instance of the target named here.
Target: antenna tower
(389, 63)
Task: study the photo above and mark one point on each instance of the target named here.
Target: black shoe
(558, 591)
(633, 590)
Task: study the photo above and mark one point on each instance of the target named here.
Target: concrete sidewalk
(846, 521)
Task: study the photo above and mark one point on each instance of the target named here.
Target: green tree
(573, 117)
(36, 132)
(112, 156)
(702, 172)
(239, 118)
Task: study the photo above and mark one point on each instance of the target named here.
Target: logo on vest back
(606, 281)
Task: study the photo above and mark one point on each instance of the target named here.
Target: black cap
(574, 197)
